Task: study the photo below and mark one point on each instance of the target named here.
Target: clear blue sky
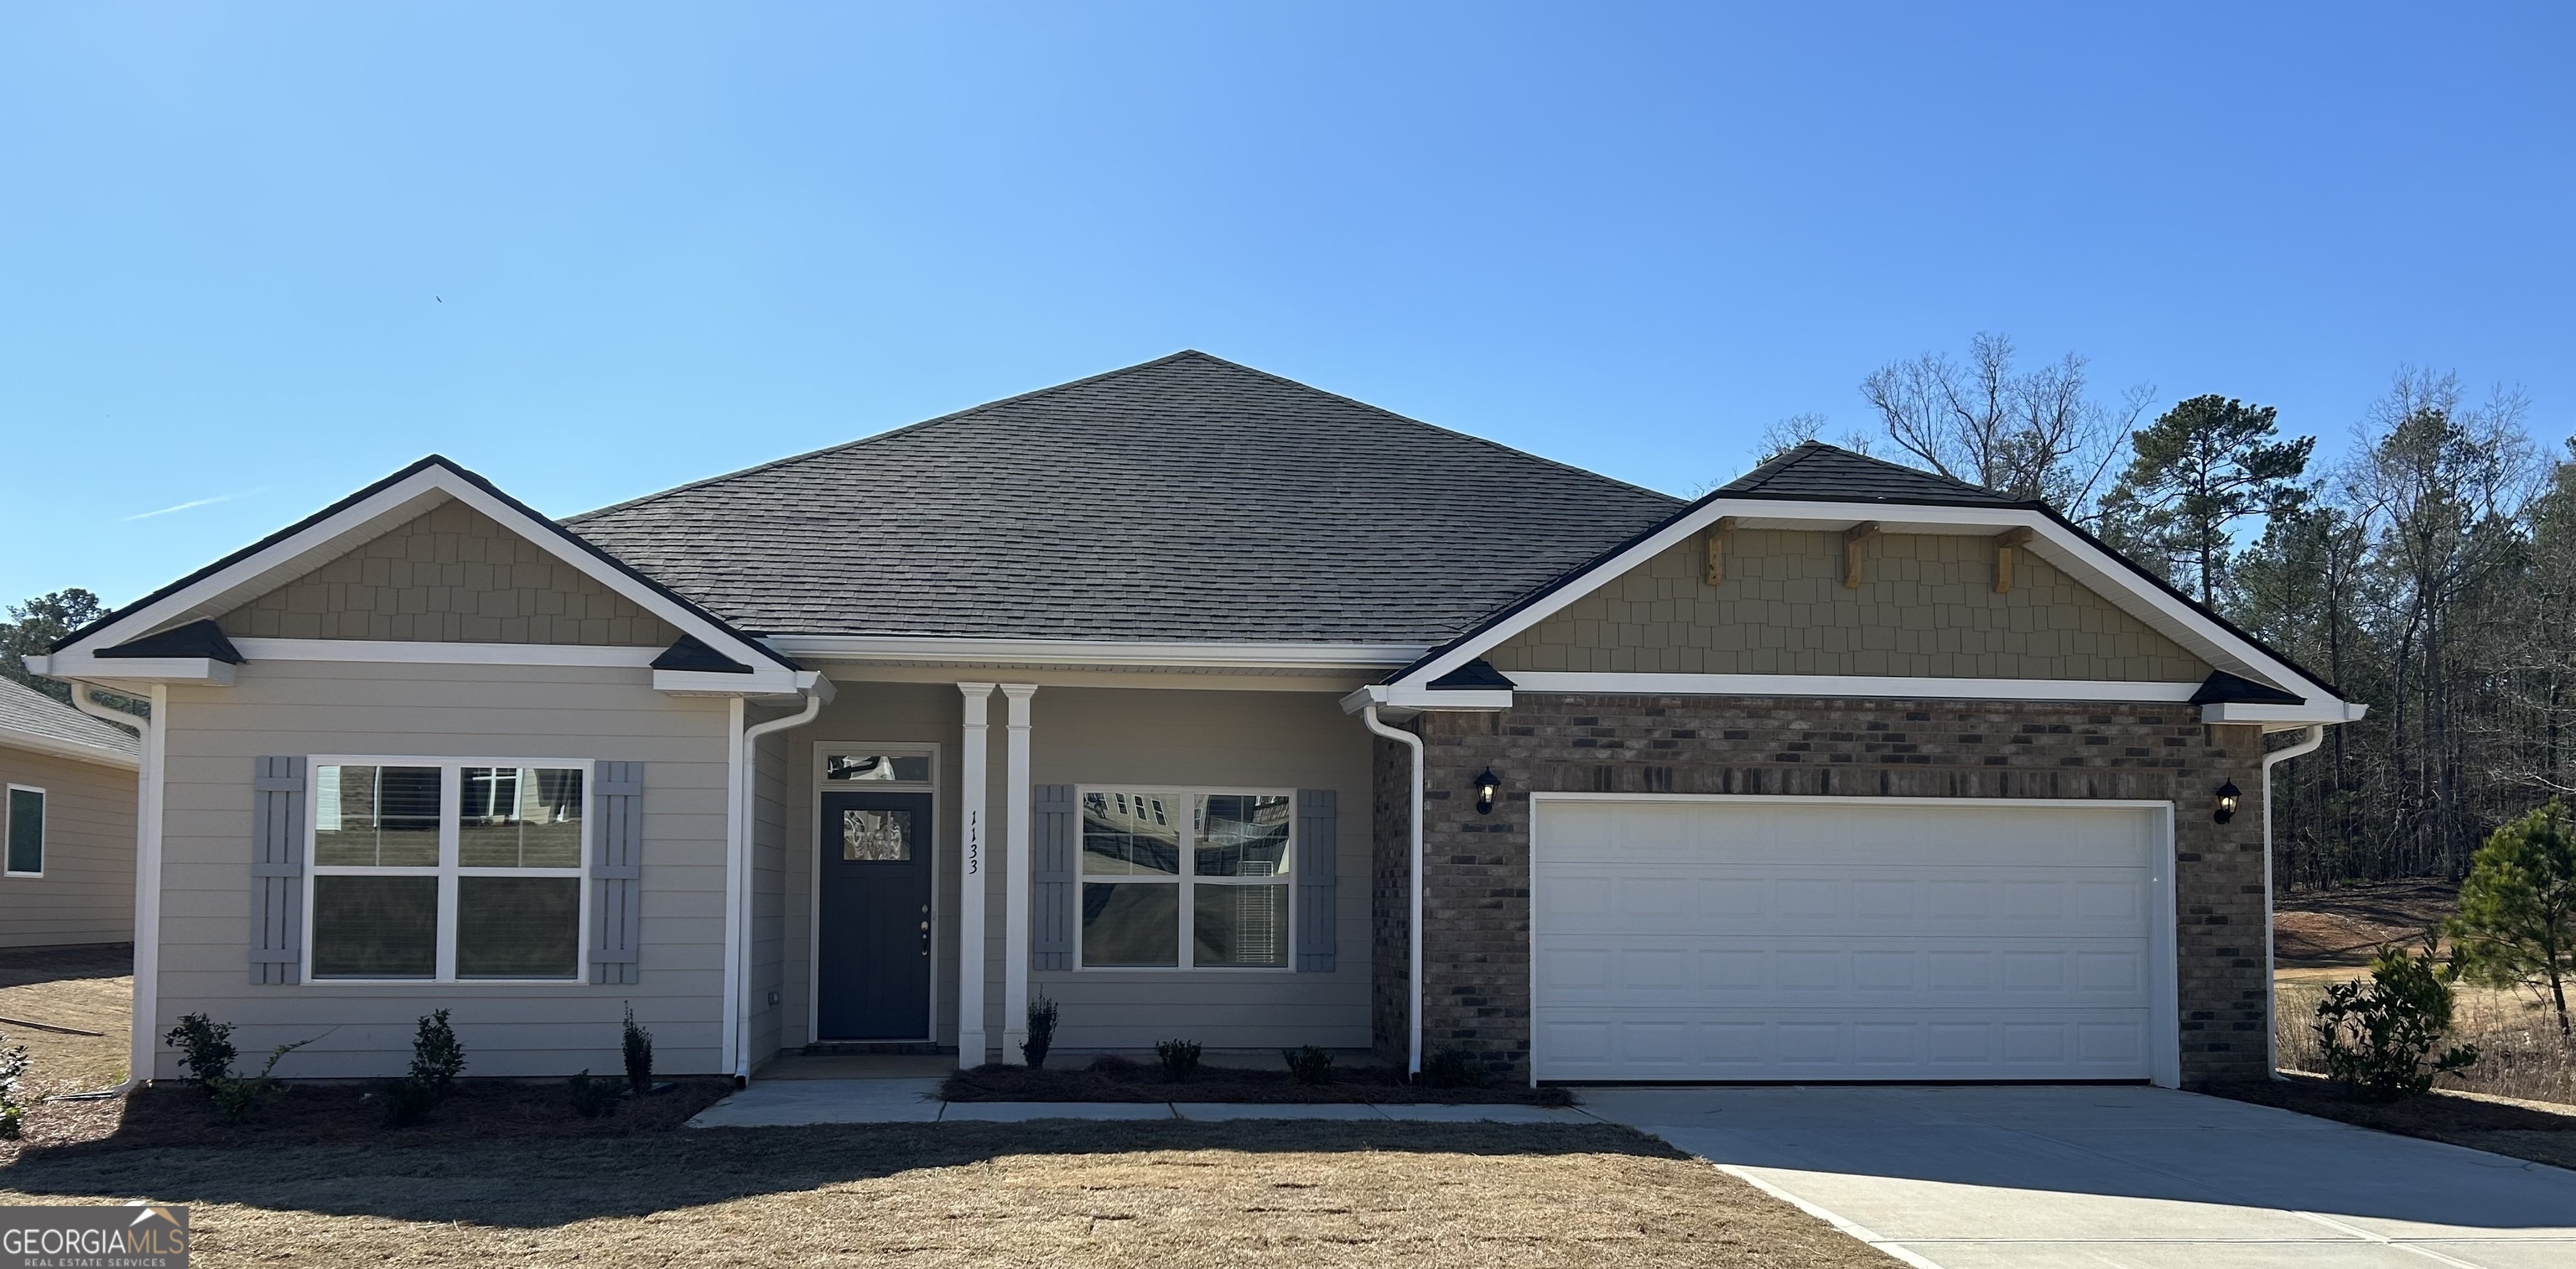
(254, 256)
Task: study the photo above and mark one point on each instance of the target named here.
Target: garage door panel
(1925, 899)
(1891, 1048)
(1828, 941)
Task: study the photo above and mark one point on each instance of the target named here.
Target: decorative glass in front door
(879, 836)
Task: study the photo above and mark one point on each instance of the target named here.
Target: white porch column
(1015, 903)
(972, 786)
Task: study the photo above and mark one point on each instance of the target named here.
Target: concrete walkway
(773, 1103)
(2139, 1178)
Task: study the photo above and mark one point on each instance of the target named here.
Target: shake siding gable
(1925, 607)
(216, 737)
(449, 575)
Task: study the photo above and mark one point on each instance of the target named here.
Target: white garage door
(1686, 938)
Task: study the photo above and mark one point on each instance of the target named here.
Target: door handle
(925, 931)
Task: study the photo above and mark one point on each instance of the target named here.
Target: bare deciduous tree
(2036, 434)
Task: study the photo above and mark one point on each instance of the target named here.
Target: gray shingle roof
(1187, 498)
(29, 712)
(1818, 470)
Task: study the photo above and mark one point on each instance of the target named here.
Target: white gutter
(2271, 1001)
(738, 879)
(143, 1041)
(1414, 938)
(1091, 652)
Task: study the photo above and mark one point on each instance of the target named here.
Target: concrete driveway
(2020, 1178)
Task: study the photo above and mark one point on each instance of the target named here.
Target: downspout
(147, 873)
(1413, 937)
(749, 744)
(2271, 1002)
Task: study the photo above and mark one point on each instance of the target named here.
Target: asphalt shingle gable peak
(1186, 498)
(1830, 474)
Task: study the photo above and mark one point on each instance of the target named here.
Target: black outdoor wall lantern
(1487, 784)
(2227, 795)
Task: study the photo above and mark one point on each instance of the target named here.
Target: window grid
(1176, 808)
(448, 870)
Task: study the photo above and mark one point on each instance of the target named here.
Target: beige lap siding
(1477, 973)
(445, 711)
(1146, 739)
(87, 892)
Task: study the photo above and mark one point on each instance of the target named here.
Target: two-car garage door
(1696, 938)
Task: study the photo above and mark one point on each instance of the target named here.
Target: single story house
(1209, 705)
(67, 842)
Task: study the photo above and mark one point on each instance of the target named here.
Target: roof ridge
(892, 432)
(1186, 354)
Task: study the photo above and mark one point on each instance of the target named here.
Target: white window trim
(1185, 879)
(822, 754)
(44, 828)
(451, 798)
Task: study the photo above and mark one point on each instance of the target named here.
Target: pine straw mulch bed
(178, 1114)
(1299, 1195)
(69, 1006)
(2538, 1131)
(1115, 1079)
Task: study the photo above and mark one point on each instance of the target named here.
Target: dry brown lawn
(1302, 1194)
(75, 989)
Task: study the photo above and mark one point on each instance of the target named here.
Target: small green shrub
(13, 1104)
(1042, 1015)
(436, 1058)
(238, 1098)
(592, 1098)
(1310, 1065)
(408, 1101)
(1180, 1059)
(1453, 1068)
(639, 1055)
(2378, 1036)
(203, 1048)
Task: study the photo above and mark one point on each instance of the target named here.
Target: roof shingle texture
(29, 712)
(1821, 471)
(1188, 498)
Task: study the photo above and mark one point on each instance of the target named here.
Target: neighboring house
(1186, 671)
(67, 839)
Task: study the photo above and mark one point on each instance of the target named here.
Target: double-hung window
(447, 870)
(1181, 878)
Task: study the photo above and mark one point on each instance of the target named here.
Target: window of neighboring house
(26, 831)
(447, 870)
(1193, 879)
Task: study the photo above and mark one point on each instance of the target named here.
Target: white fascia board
(83, 666)
(58, 747)
(1407, 701)
(1104, 652)
(360, 522)
(2327, 711)
(768, 680)
(1851, 686)
(430, 653)
(2107, 577)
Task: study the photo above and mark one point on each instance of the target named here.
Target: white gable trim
(2092, 566)
(344, 530)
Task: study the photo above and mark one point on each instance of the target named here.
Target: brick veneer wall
(1476, 960)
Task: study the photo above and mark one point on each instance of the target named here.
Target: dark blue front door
(874, 948)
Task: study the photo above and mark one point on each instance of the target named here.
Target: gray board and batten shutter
(1052, 857)
(277, 871)
(617, 871)
(1316, 945)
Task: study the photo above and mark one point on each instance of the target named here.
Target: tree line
(2430, 574)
